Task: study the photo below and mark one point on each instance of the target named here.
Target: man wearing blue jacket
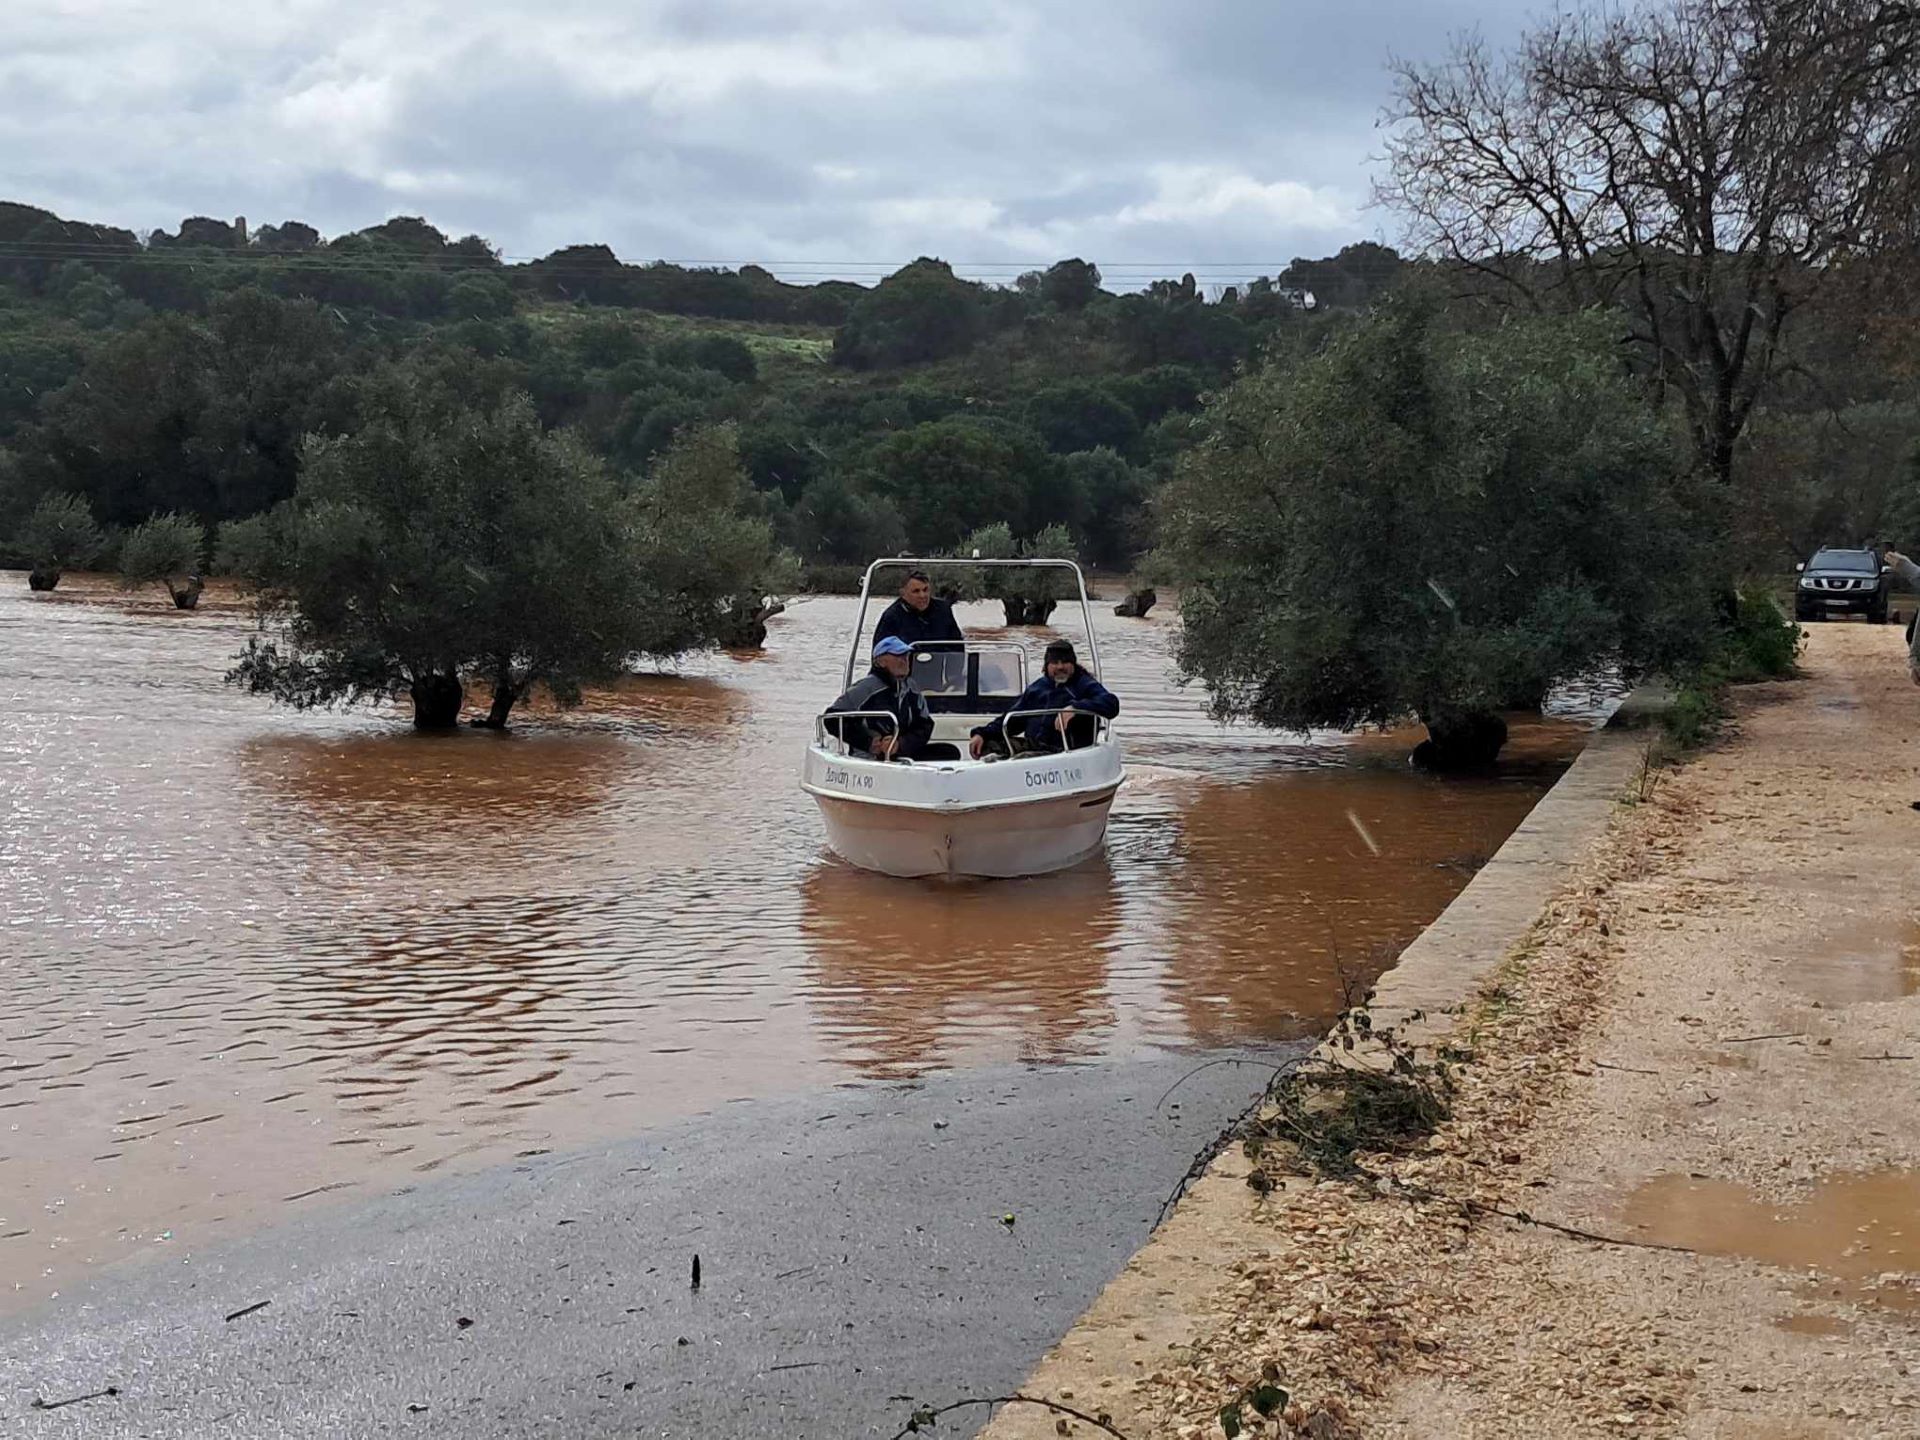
(888, 690)
(917, 617)
(1065, 688)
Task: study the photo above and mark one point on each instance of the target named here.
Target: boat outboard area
(1032, 797)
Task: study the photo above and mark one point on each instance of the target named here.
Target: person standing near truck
(1909, 572)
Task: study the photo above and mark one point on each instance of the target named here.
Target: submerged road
(855, 1248)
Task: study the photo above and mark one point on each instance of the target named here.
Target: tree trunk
(744, 625)
(1028, 612)
(42, 579)
(1461, 742)
(1137, 604)
(436, 701)
(505, 692)
(1530, 695)
(188, 595)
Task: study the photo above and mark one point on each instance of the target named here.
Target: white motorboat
(1017, 814)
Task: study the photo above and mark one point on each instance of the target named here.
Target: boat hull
(1020, 817)
(1029, 839)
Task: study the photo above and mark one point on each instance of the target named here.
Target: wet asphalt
(861, 1250)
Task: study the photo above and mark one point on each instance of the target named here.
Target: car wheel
(1878, 615)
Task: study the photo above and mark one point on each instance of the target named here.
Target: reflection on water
(254, 956)
(919, 973)
(1274, 896)
(394, 795)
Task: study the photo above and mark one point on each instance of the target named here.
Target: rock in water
(1137, 604)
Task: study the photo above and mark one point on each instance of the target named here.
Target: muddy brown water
(254, 960)
(1856, 1235)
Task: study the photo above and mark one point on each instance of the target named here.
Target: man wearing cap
(916, 617)
(1066, 689)
(886, 687)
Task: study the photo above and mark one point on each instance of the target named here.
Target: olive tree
(441, 543)
(167, 550)
(1027, 596)
(59, 535)
(1707, 165)
(1422, 523)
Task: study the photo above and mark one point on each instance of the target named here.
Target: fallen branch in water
(1223, 1060)
(928, 1415)
(1228, 1133)
(39, 1404)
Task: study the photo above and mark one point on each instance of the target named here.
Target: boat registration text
(1060, 775)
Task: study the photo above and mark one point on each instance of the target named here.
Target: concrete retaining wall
(1168, 1293)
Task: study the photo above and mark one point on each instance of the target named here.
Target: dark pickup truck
(1842, 582)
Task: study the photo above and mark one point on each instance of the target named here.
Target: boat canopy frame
(955, 562)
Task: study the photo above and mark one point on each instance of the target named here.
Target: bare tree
(1705, 164)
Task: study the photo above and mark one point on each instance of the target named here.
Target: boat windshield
(962, 678)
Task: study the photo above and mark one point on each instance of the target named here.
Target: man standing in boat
(917, 617)
(1069, 699)
(887, 688)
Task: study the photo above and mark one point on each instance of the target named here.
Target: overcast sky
(843, 135)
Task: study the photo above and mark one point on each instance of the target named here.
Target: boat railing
(953, 562)
(827, 736)
(824, 723)
(1102, 726)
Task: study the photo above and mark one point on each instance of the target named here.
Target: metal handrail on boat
(1101, 725)
(821, 734)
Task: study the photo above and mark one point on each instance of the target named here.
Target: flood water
(253, 959)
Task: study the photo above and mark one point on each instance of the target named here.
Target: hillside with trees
(181, 372)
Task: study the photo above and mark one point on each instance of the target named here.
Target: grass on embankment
(1760, 644)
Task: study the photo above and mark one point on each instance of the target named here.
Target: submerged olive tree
(59, 535)
(166, 550)
(441, 543)
(1419, 522)
(1028, 597)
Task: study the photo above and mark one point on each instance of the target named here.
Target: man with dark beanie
(1065, 688)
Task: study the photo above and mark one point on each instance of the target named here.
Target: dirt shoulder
(1710, 1042)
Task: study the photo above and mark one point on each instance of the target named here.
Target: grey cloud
(998, 132)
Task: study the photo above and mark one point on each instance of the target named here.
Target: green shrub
(1759, 643)
(60, 534)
